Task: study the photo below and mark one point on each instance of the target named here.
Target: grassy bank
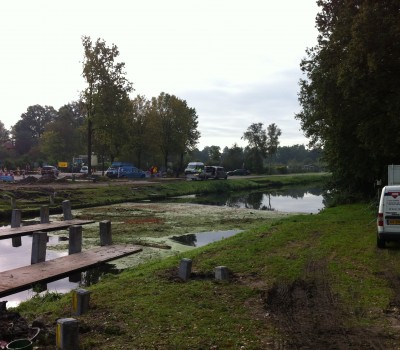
(30, 197)
(307, 281)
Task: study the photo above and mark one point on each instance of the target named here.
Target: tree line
(44, 135)
(350, 95)
(105, 121)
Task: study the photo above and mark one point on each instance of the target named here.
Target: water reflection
(291, 200)
(305, 200)
(14, 257)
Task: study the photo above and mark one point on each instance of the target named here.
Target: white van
(193, 170)
(388, 221)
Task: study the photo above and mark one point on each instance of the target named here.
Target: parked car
(215, 172)
(49, 170)
(125, 172)
(112, 171)
(388, 220)
(238, 172)
(84, 169)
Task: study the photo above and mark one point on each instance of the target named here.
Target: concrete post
(16, 222)
(185, 269)
(39, 243)
(13, 203)
(16, 218)
(221, 273)
(44, 214)
(66, 206)
(67, 334)
(75, 239)
(80, 301)
(105, 233)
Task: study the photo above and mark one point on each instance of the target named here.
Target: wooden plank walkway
(9, 232)
(22, 278)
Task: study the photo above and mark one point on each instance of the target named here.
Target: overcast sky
(235, 62)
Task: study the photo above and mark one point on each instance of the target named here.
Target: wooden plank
(15, 280)
(8, 232)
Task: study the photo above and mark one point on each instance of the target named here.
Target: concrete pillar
(80, 301)
(16, 222)
(16, 218)
(75, 239)
(105, 233)
(66, 206)
(185, 269)
(221, 273)
(39, 244)
(13, 203)
(44, 214)
(67, 334)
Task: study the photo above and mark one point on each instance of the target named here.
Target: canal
(252, 206)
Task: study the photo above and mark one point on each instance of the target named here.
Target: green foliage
(350, 97)
(173, 127)
(106, 96)
(262, 144)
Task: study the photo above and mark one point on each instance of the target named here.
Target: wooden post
(16, 222)
(67, 334)
(185, 269)
(44, 214)
(39, 243)
(80, 301)
(105, 233)
(221, 273)
(75, 239)
(66, 205)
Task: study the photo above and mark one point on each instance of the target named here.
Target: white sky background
(235, 62)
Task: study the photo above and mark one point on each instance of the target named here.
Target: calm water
(309, 200)
(288, 201)
(292, 200)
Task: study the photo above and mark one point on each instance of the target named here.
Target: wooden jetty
(52, 226)
(22, 278)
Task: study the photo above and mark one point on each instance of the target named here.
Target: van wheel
(380, 242)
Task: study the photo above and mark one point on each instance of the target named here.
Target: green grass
(147, 307)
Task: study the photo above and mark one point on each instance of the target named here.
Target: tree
(106, 96)
(173, 127)
(4, 133)
(187, 135)
(138, 125)
(63, 138)
(261, 143)
(30, 128)
(350, 96)
(233, 158)
(214, 155)
(273, 133)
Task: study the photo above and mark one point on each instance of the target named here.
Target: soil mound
(309, 316)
